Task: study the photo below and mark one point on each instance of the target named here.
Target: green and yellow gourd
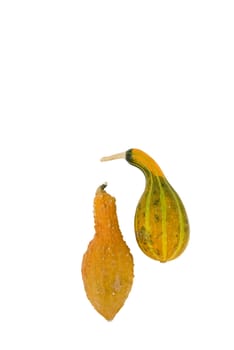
(161, 223)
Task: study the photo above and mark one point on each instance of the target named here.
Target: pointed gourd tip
(114, 156)
(101, 187)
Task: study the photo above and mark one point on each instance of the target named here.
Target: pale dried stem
(114, 156)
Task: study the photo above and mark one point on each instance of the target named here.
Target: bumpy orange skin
(107, 266)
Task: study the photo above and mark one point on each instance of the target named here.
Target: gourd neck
(144, 162)
(105, 216)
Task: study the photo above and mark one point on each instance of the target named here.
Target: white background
(84, 79)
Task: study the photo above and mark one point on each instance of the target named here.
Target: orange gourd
(107, 265)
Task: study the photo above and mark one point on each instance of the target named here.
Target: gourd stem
(101, 188)
(114, 156)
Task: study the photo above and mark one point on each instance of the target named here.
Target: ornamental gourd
(107, 265)
(161, 223)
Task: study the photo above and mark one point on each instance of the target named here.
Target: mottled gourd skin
(107, 266)
(161, 223)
